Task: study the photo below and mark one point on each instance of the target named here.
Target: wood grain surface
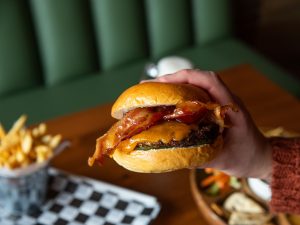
(269, 105)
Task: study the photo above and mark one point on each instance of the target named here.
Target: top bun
(151, 94)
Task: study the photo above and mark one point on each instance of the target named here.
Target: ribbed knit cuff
(285, 182)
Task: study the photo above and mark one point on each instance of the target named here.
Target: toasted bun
(164, 160)
(151, 94)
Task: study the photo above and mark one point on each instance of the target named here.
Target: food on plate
(279, 132)
(163, 127)
(245, 210)
(240, 202)
(21, 146)
(218, 210)
(241, 218)
(218, 182)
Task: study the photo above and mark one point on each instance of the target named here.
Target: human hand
(246, 151)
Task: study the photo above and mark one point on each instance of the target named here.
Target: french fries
(20, 146)
(2, 131)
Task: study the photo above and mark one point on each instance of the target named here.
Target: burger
(163, 127)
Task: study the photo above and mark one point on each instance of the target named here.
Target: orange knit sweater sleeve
(285, 182)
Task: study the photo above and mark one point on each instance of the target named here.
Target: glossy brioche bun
(165, 160)
(151, 94)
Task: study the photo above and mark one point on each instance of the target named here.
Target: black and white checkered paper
(78, 200)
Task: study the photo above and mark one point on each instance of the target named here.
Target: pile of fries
(20, 146)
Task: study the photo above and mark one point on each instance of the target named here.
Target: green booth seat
(44, 103)
(62, 56)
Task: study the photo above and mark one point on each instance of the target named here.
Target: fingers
(145, 81)
(178, 77)
(209, 81)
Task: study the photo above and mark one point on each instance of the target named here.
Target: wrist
(260, 164)
(267, 170)
(264, 169)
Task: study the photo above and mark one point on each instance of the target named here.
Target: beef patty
(205, 134)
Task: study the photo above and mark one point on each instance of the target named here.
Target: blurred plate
(205, 203)
(260, 188)
(254, 188)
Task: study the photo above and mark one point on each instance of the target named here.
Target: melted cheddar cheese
(164, 132)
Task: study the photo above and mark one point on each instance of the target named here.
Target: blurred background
(270, 26)
(57, 57)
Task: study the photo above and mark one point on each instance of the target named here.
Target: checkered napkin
(79, 200)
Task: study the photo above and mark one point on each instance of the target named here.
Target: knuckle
(161, 79)
(185, 71)
(215, 77)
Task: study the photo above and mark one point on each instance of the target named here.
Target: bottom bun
(165, 160)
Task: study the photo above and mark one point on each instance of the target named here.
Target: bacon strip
(188, 112)
(134, 122)
(140, 119)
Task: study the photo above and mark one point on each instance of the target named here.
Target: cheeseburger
(162, 127)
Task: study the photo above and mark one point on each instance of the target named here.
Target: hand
(246, 151)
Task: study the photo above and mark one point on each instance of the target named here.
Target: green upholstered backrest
(49, 42)
(169, 25)
(19, 61)
(120, 31)
(65, 38)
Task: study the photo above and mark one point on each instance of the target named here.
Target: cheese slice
(164, 132)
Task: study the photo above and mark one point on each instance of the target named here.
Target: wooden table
(270, 106)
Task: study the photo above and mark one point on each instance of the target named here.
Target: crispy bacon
(140, 119)
(134, 122)
(188, 112)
